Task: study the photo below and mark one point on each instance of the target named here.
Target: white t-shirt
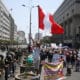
(3, 53)
(55, 58)
(36, 53)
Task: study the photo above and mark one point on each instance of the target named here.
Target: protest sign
(53, 71)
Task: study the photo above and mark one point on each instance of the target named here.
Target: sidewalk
(17, 71)
(74, 75)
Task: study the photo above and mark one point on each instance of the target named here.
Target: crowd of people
(69, 56)
(11, 57)
(8, 61)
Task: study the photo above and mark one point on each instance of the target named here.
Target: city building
(21, 37)
(68, 15)
(38, 36)
(4, 23)
(15, 32)
(11, 29)
(8, 28)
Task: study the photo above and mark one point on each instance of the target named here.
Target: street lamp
(30, 22)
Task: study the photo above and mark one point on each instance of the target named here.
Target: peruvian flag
(57, 29)
(46, 21)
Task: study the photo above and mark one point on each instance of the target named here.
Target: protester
(6, 71)
(1, 65)
(36, 57)
(56, 56)
(72, 59)
(50, 55)
(78, 62)
(7, 67)
(68, 58)
(3, 51)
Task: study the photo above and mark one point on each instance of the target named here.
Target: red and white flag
(46, 21)
(41, 15)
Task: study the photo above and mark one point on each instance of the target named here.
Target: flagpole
(30, 29)
(38, 23)
(30, 35)
(38, 33)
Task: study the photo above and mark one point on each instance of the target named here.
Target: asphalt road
(74, 76)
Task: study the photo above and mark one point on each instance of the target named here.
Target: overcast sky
(21, 14)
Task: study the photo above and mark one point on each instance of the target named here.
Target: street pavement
(17, 71)
(74, 75)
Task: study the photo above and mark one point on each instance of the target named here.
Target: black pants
(6, 73)
(78, 66)
(68, 71)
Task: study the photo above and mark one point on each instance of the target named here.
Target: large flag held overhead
(57, 29)
(52, 71)
(46, 21)
(41, 18)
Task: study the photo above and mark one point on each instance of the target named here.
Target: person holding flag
(36, 57)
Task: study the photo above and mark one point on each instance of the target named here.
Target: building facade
(8, 28)
(4, 23)
(21, 37)
(38, 36)
(15, 32)
(11, 28)
(68, 15)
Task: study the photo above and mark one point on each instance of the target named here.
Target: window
(63, 17)
(72, 10)
(79, 29)
(67, 14)
(77, 1)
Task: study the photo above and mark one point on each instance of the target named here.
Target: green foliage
(45, 41)
(8, 42)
